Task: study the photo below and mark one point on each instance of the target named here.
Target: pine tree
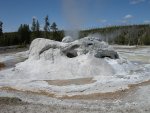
(37, 29)
(24, 34)
(1, 28)
(37, 26)
(46, 26)
(33, 28)
(54, 27)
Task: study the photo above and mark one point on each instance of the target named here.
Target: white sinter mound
(88, 57)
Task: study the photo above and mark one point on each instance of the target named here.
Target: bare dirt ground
(80, 81)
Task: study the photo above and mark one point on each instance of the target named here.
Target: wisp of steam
(74, 13)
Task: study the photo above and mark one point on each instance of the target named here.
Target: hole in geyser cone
(71, 54)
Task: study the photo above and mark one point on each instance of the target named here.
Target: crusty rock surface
(91, 45)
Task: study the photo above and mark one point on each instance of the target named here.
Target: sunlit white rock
(67, 39)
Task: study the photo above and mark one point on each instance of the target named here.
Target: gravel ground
(39, 108)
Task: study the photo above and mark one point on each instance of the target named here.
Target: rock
(70, 50)
(67, 39)
(106, 53)
(50, 59)
(44, 48)
(92, 45)
(40, 46)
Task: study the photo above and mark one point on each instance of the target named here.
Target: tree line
(25, 34)
(123, 35)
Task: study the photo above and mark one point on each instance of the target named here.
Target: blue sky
(69, 13)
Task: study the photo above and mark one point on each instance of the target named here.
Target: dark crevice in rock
(72, 54)
(70, 51)
(89, 44)
(107, 53)
(70, 48)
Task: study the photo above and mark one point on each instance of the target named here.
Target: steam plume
(74, 13)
